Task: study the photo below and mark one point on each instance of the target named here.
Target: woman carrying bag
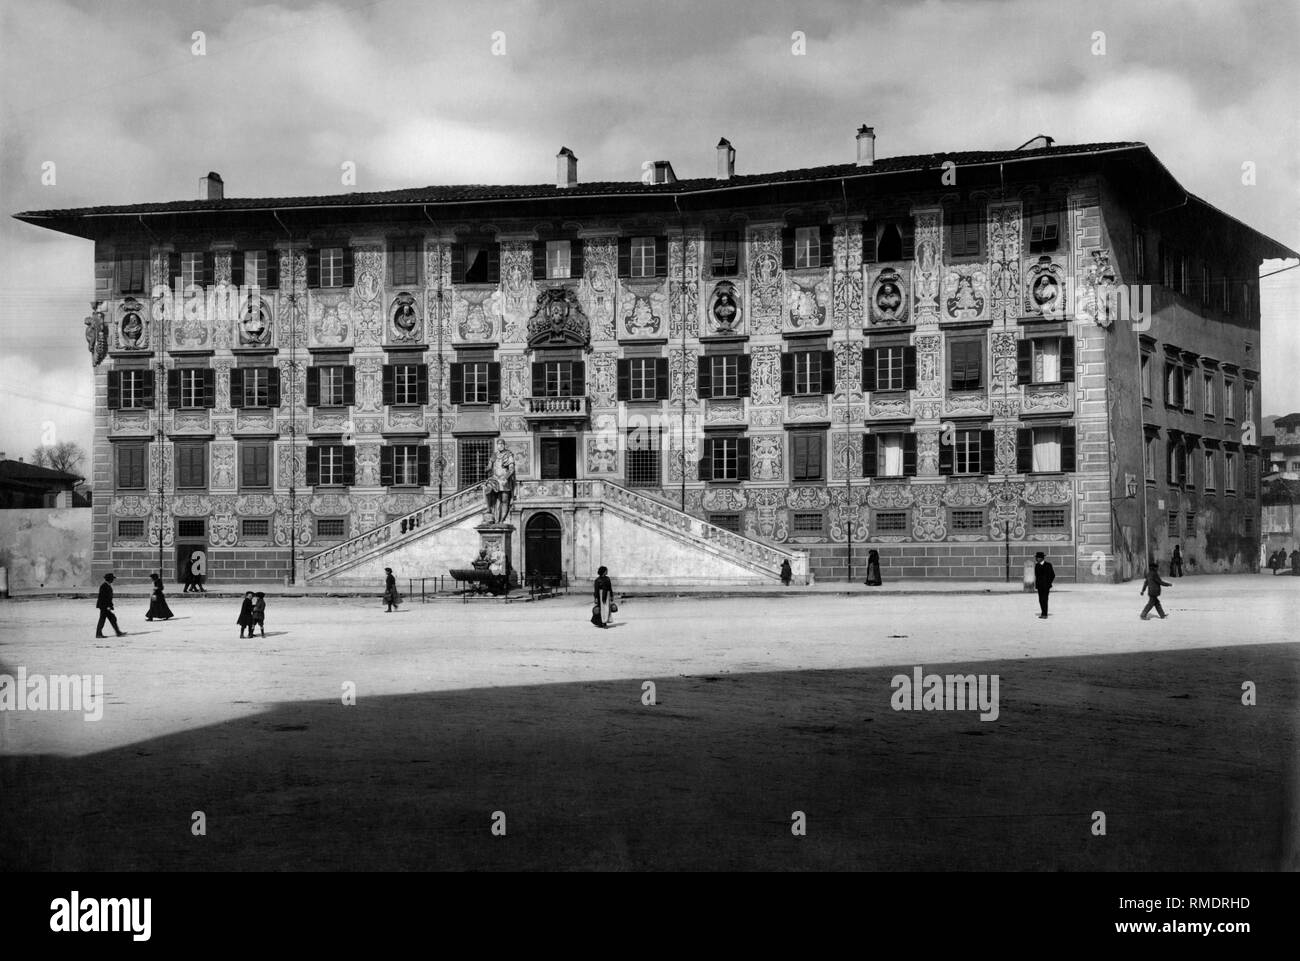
(603, 589)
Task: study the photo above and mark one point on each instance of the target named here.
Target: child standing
(246, 614)
(1152, 589)
(259, 614)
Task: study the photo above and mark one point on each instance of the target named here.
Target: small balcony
(560, 411)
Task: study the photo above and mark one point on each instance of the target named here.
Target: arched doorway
(542, 550)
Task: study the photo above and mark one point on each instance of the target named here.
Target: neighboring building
(928, 356)
(1281, 449)
(24, 485)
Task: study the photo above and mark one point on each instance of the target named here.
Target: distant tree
(66, 456)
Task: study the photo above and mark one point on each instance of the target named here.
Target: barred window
(1191, 524)
(729, 522)
(1173, 524)
(191, 527)
(891, 522)
(130, 528)
(806, 522)
(255, 527)
(331, 527)
(965, 522)
(1048, 518)
(475, 453)
(641, 458)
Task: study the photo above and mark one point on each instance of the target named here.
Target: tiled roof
(484, 192)
(20, 470)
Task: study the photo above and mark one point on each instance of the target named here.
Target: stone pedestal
(494, 543)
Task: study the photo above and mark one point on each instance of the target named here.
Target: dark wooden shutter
(494, 263)
(825, 245)
(422, 384)
(458, 383)
(579, 378)
(273, 387)
(146, 390)
(390, 385)
(114, 390)
(313, 268)
(661, 256)
(173, 268)
(869, 369)
(1067, 359)
(828, 372)
(742, 458)
(742, 376)
(313, 466)
(1067, 448)
(706, 462)
(909, 455)
(799, 445)
(575, 259)
(868, 242)
(494, 382)
(787, 375)
(386, 456)
(173, 389)
(1024, 450)
(237, 268)
(1024, 361)
(625, 379)
(539, 260)
(909, 368)
(945, 456)
(349, 386)
(349, 268)
(209, 269)
(236, 387)
(661, 378)
(787, 248)
(273, 269)
(422, 465)
(539, 379)
(909, 240)
(313, 386)
(457, 263)
(704, 377)
(349, 465)
(625, 256)
(209, 387)
(395, 252)
(869, 456)
(987, 443)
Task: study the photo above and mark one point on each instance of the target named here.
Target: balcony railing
(556, 406)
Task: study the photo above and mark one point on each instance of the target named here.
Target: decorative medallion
(724, 309)
(1045, 289)
(255, 323)
(889, 298)
(558, 320)
(405, 319)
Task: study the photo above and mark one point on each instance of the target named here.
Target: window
(475, 390)
(406, 384)
(728, 522)
(130, 528)
(964, 229)
(132, 273)
(1189, 464)
(807, 247)
(1172, 266)
(725, 459)
(130, 466)
(404, 263)
(806, 455)
(254, 465)
(889, 454)
(1248, 525)
(966, 452)
(643, 257)
(191, 465)
(1187, 389)
(1152, 453)
(191, 269)
(1045, 360)
(1047, 518)
(331, 528)
(256, 267)
(1140, 255)
(1230, 471)
(330, 468)
(965, 364)
(1248, 402)
(1208, 391)
(724, 376)
(558, 379)
(807, 372)
(967, 522)
(130, 389)
(257, 387)
(1208, 468)
(1252, 476)
(724, 253)
(641, 377)
(1172, 528)
(191, 527)
(191, 388)
(891, 522)
(1043, 228)
(1229, 408)
(1227, 295)
(1184, 275)
(1191, 523)
(476, 262)
(806, 522)
(255, 527)
(889, 368)
(1175, 463)
(1205, 284)
(1146, 377)
(1046, 449)
(1173, 384)
(334, 386)
(404, 465)
(475, 453)
(641, 458)
(331, 267)
(558, 256)
(895, 242)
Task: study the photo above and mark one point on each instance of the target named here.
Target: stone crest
(557, 320)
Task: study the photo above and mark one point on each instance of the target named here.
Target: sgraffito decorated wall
(46, 548)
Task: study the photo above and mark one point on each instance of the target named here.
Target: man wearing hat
(390, 590)
(1044, 574)
(105, 605)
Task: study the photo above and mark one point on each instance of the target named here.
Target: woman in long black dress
(158, 602)
(603, 589)
(873, 569)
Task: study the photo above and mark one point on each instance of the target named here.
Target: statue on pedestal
(499, 492)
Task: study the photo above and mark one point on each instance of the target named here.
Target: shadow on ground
(708, 778)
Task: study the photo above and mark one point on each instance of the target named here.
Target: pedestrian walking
(246, 614)
(873, 569)
(1176, 563)
(105, 607)
(603, 590)
(786, 573)
(158, 601)
(259, 614)
(191, 580)
(1151, 588)
(1044, 574)
(1295, 562)
(391, 597)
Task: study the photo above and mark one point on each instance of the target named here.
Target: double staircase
(757, 559)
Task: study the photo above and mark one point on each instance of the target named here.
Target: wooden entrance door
(559, 458)
(543, 553)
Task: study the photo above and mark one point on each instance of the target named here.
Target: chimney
(664, 173)
(866, 146)
(211, 186)
(726, 159)
(566, 168)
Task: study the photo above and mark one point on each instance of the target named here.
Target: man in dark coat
(1151, 588)
(105, 606)
(1295, 562)
(390, 590)
(1176, 563)
(1044, 574)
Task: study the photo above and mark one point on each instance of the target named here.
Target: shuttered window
(807, 452)
(404, 263)
(254, 465)
(130, 466)
(132, 273)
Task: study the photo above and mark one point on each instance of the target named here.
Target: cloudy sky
(412, 93)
